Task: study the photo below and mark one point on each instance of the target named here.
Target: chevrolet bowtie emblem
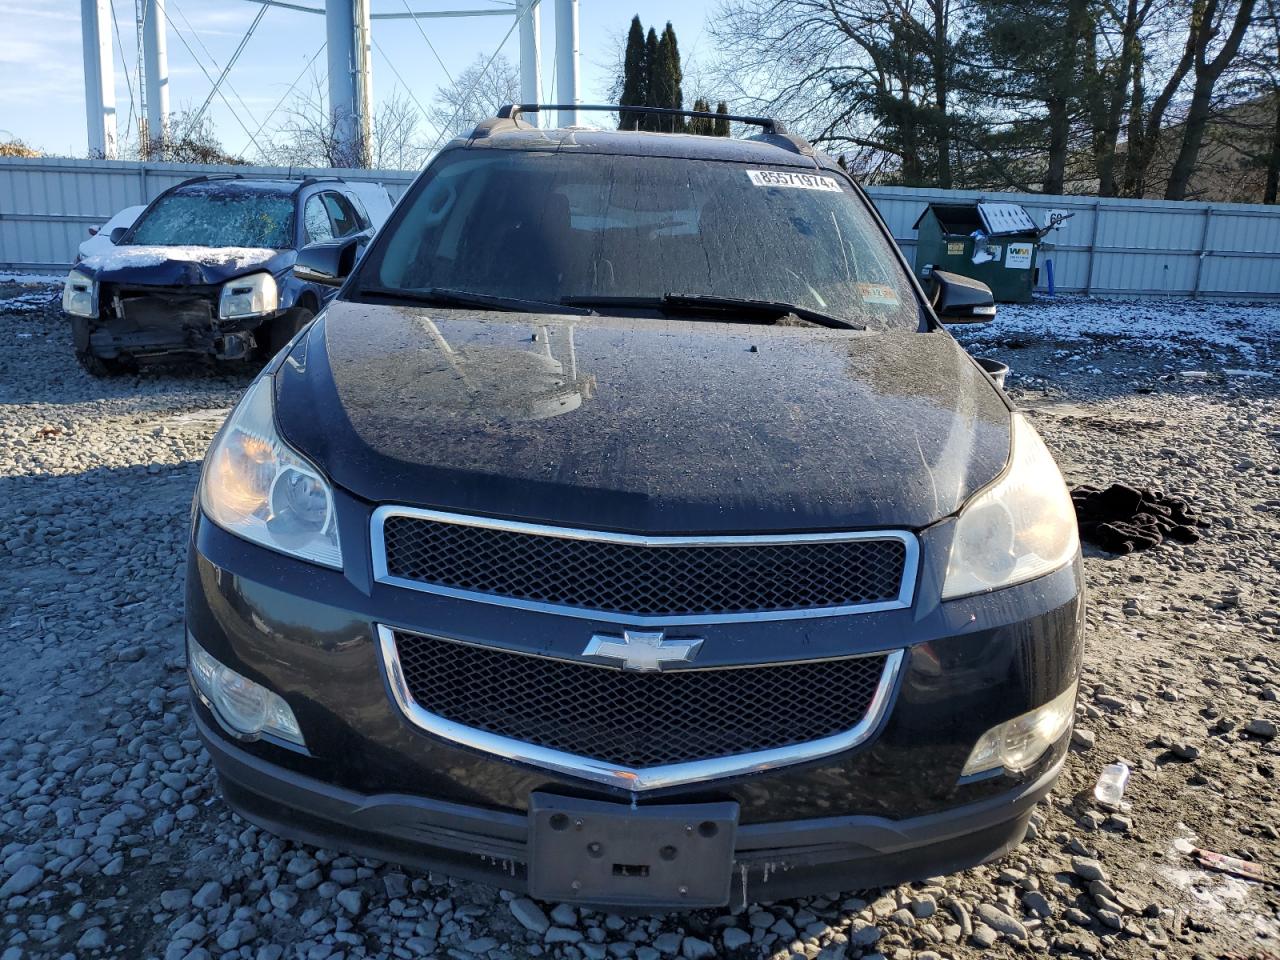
(642, 650)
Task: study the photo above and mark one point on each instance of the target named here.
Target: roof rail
(210, 176)
(512, 111)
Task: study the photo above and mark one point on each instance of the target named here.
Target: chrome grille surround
(893, 595)
(635, 779)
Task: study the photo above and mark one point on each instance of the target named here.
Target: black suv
(206, 270)
(629, 530)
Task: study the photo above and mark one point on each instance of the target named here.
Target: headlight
(80, 295)
(1018, 743)
(1021, 527)
(246, 707)
(249, 296)
(257, 488)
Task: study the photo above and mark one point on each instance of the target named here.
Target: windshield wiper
(701, 303)
(443, 297)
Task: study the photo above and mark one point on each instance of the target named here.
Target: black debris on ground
(1122, 519)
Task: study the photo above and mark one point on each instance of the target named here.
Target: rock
(1036, 903)
(864, 936)
(1087, 868)
(564, 915)
(175, 899)
(563, 935)
(95, 938)
(1260, 727)
(983, 936)
(351, 900)
(529, 915)
(25, 879)
(694, 949)
(1082, 738)
(734, 938)
(924, 906)
(1000, 921)
(208, 896)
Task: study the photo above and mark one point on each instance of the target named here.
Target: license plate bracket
(667, 855)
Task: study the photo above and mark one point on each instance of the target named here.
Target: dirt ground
(113, 841)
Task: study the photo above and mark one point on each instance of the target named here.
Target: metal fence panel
(1109, 246)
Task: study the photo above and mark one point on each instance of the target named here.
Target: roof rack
(512, 111)
(772, 131)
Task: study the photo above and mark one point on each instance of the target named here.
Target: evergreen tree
(651, 61)
(635, 77)
(703, 126)
(669, 79)
(722, 126)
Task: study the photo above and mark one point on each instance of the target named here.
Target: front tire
(276, 333)
(93, 364)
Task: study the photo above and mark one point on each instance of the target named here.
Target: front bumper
(771, 860)
(893, 808)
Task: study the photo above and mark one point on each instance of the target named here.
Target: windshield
(594, 228)
(223, 219)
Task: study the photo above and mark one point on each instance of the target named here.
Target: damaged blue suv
(206, 270)
(630, 531)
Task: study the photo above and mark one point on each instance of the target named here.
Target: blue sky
(42, 80)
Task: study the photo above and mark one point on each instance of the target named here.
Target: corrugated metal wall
(1109, 246)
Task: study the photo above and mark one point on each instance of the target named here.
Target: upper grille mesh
(644, 580)
(637, 719)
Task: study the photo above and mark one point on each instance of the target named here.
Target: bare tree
(397, 141)
(874, 76)
(475, 94)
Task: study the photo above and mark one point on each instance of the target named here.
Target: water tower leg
(530, 52)
(156, 56)
(99, 77)
(347, 30)
(567, 59)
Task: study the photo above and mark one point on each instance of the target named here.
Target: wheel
(273, 335)
(93, 364)
(97, 366)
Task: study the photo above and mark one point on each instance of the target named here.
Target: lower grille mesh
(637, 719)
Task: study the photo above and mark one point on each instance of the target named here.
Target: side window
(345, 221)
(316, 219)
(362, 215)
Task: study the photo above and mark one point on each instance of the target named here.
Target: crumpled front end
(152, 322)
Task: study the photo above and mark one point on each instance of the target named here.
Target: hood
(182, 266)
(640, 425)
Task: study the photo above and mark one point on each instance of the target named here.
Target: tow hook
(234, 346)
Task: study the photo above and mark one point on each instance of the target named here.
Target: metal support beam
(350, 80)
(99, 78)
(530, 51)
(567, 59)
(156, 61)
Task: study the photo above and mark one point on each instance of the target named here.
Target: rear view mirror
(958, 299)
(327, 261)
(117, 234)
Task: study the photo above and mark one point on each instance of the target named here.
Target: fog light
(248, 708)
(1018, 743)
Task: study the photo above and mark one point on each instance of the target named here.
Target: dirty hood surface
(163, 266)
(642, 425)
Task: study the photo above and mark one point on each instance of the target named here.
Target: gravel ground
(113, 840)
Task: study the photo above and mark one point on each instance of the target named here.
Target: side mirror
(327, 261)
(958, 299)
(117, 234)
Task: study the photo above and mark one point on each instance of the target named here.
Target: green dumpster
(992, 242)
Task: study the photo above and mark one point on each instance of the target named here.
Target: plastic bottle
(1111, 784)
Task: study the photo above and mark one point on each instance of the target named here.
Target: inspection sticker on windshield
(878, 293)
(797, 181)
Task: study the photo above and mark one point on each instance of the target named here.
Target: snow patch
(1162, 322)
(140, 255)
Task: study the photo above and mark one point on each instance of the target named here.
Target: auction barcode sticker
(797, 181)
